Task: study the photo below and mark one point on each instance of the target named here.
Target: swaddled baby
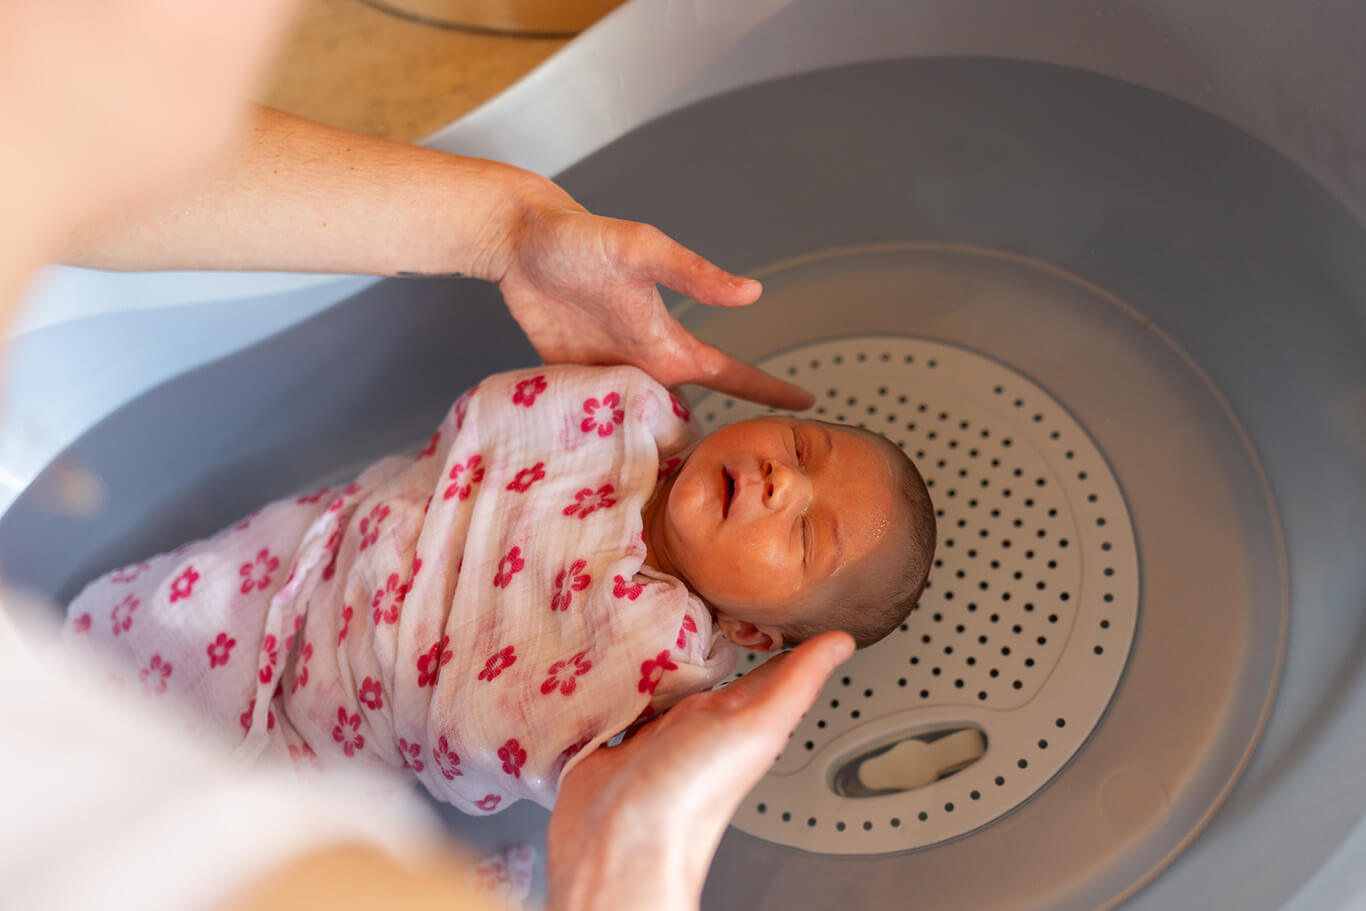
(562, 558)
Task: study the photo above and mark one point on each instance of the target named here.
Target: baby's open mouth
(728, 494)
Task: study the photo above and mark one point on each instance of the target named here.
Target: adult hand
(583, 289)
(636, 826)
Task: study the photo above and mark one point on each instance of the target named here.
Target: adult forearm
(296, 195)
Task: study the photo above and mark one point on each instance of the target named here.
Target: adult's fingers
(659, 258)
(785, 686)
(732, 376)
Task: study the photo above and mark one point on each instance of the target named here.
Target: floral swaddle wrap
(478, 613)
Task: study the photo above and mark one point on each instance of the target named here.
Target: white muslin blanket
(479, 613)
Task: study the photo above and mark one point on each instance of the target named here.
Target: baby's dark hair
(869, 615)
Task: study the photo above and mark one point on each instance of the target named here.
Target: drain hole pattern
(1025, 623)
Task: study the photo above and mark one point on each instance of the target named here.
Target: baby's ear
(748, 635)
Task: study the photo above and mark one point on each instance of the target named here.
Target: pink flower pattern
(347, 732)
(301, 671)
(652, 669)
(680, 409)
(689, 626)
(411, 754)
(346, 614)
(370, 694)
(269, 655)
(527, 390)
(314, 497)
(122, 614)
(668, 467)
(567, 581)
(429, 664)
(476, 474)
(388, 601)
(499, 662)
(369, 526)
(509, 566)
(489, 802)
(183, 586)
(513, 756)
(588, 501)
(265, 564)
(430, 451)
(333, 545)
(130, 573)
(220, 650)
(602, 416)
(462, 406)
(155, 675)
(621, 589)
(575, 748)
(572, 669)
(82, 623)
(245, 718)
(447, 760)
(526, 477)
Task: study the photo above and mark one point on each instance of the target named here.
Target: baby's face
(767, 514)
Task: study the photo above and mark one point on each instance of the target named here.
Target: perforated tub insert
(1023, 630)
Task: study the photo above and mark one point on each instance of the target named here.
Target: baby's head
(789, 527)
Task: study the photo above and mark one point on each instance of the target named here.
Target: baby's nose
(783, 486)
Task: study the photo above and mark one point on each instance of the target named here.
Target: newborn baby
(562, 558)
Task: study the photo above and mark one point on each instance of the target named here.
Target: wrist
(526, 199)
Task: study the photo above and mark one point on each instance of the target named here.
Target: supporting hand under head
(636, 826)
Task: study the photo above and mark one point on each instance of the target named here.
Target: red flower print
(417, 568)
(245, 718)
(476, 475)
(369, 526)
(388, 601)
(652, 669)
(668, 467)
(314, 497)
(680, 409)
(499, 662)
(81, 624)
(462, 406)
(572, 670)
(347, 491)
(220, 650)
(526, 477)
(269, 654)
(575, 748)
(333, 545)
(621, 590)
(527, 390)
(129, 573)
(302, 754)
(155, 675)
(370, 695)
(301, 672)
(508, 567)
(183, 586)
(567, 581)
(122, 614)
(447, 760)
(602, 416)
(430, 451)
(489, 802)
(411, 753)
(429, 664)
(588, 501)
(246, 521)
(347, 614)
(347, 731)
(513, 756)
(257, 574)
(689, 626)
